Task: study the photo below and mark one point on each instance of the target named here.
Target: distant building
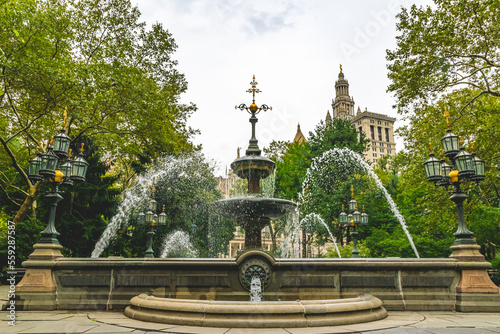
(378, 128)
(299, 137)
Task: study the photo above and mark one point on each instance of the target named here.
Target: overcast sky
(293, 47)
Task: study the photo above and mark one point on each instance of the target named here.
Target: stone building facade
(378, 128)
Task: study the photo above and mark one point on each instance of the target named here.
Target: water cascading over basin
(253, 212)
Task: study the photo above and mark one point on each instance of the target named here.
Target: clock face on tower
(255, 267)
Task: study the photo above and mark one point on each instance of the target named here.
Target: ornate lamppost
(353, 219)
(464, 167)
(57, 166)
(151, 219)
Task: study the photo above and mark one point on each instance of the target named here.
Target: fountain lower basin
(265, 314)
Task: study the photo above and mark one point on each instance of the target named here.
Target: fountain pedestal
(253, 231)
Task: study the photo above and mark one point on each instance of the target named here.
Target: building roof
(328, 118)
(299, 137)
(368, 114)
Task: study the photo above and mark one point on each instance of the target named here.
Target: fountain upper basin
(253, 166)
(254, 207)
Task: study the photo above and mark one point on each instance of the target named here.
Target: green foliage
(346, 251)
(291, 168)
(445, 46)
(116, 77)
(188, 191)
(294, 159)
(495, 264)
(338, 134)
(26, 235)
(485, 222)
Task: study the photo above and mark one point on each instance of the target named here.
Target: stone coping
(340, 264)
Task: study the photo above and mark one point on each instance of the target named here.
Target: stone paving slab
(20, 326)
(257, 331)
(104, 328)
(320, 330)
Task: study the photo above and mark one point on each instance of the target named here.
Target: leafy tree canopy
(453, 44)
(337, 134)
(116, 78)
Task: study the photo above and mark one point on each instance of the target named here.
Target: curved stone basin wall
(299, 313)
(110, 283)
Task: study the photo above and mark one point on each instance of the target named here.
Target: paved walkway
(117, 322)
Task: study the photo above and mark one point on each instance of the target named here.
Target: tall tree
(478, 125)
(337, 134)
(453, 44)
(116, 78)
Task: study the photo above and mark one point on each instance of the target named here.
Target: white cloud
(293, 47)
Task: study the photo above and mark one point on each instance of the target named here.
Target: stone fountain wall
(110, 283)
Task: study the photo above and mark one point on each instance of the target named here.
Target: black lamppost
(151, 219)
(465, 167)
(353, 219)
(56, 166)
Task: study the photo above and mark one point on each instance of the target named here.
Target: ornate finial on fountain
(238, 149)
(253, 109)
(153, 190)
(254, 89)
(352, 191)
(340, 68)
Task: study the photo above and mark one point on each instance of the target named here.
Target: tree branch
(468, 103)
(15, 163)
(9, 198)
(24, 129)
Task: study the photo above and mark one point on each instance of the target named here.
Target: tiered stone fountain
(253, 213)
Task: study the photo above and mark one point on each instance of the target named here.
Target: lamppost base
(149, 254)
(467, 252)
(46, 251)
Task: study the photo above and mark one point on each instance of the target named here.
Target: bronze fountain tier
(253, 212)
